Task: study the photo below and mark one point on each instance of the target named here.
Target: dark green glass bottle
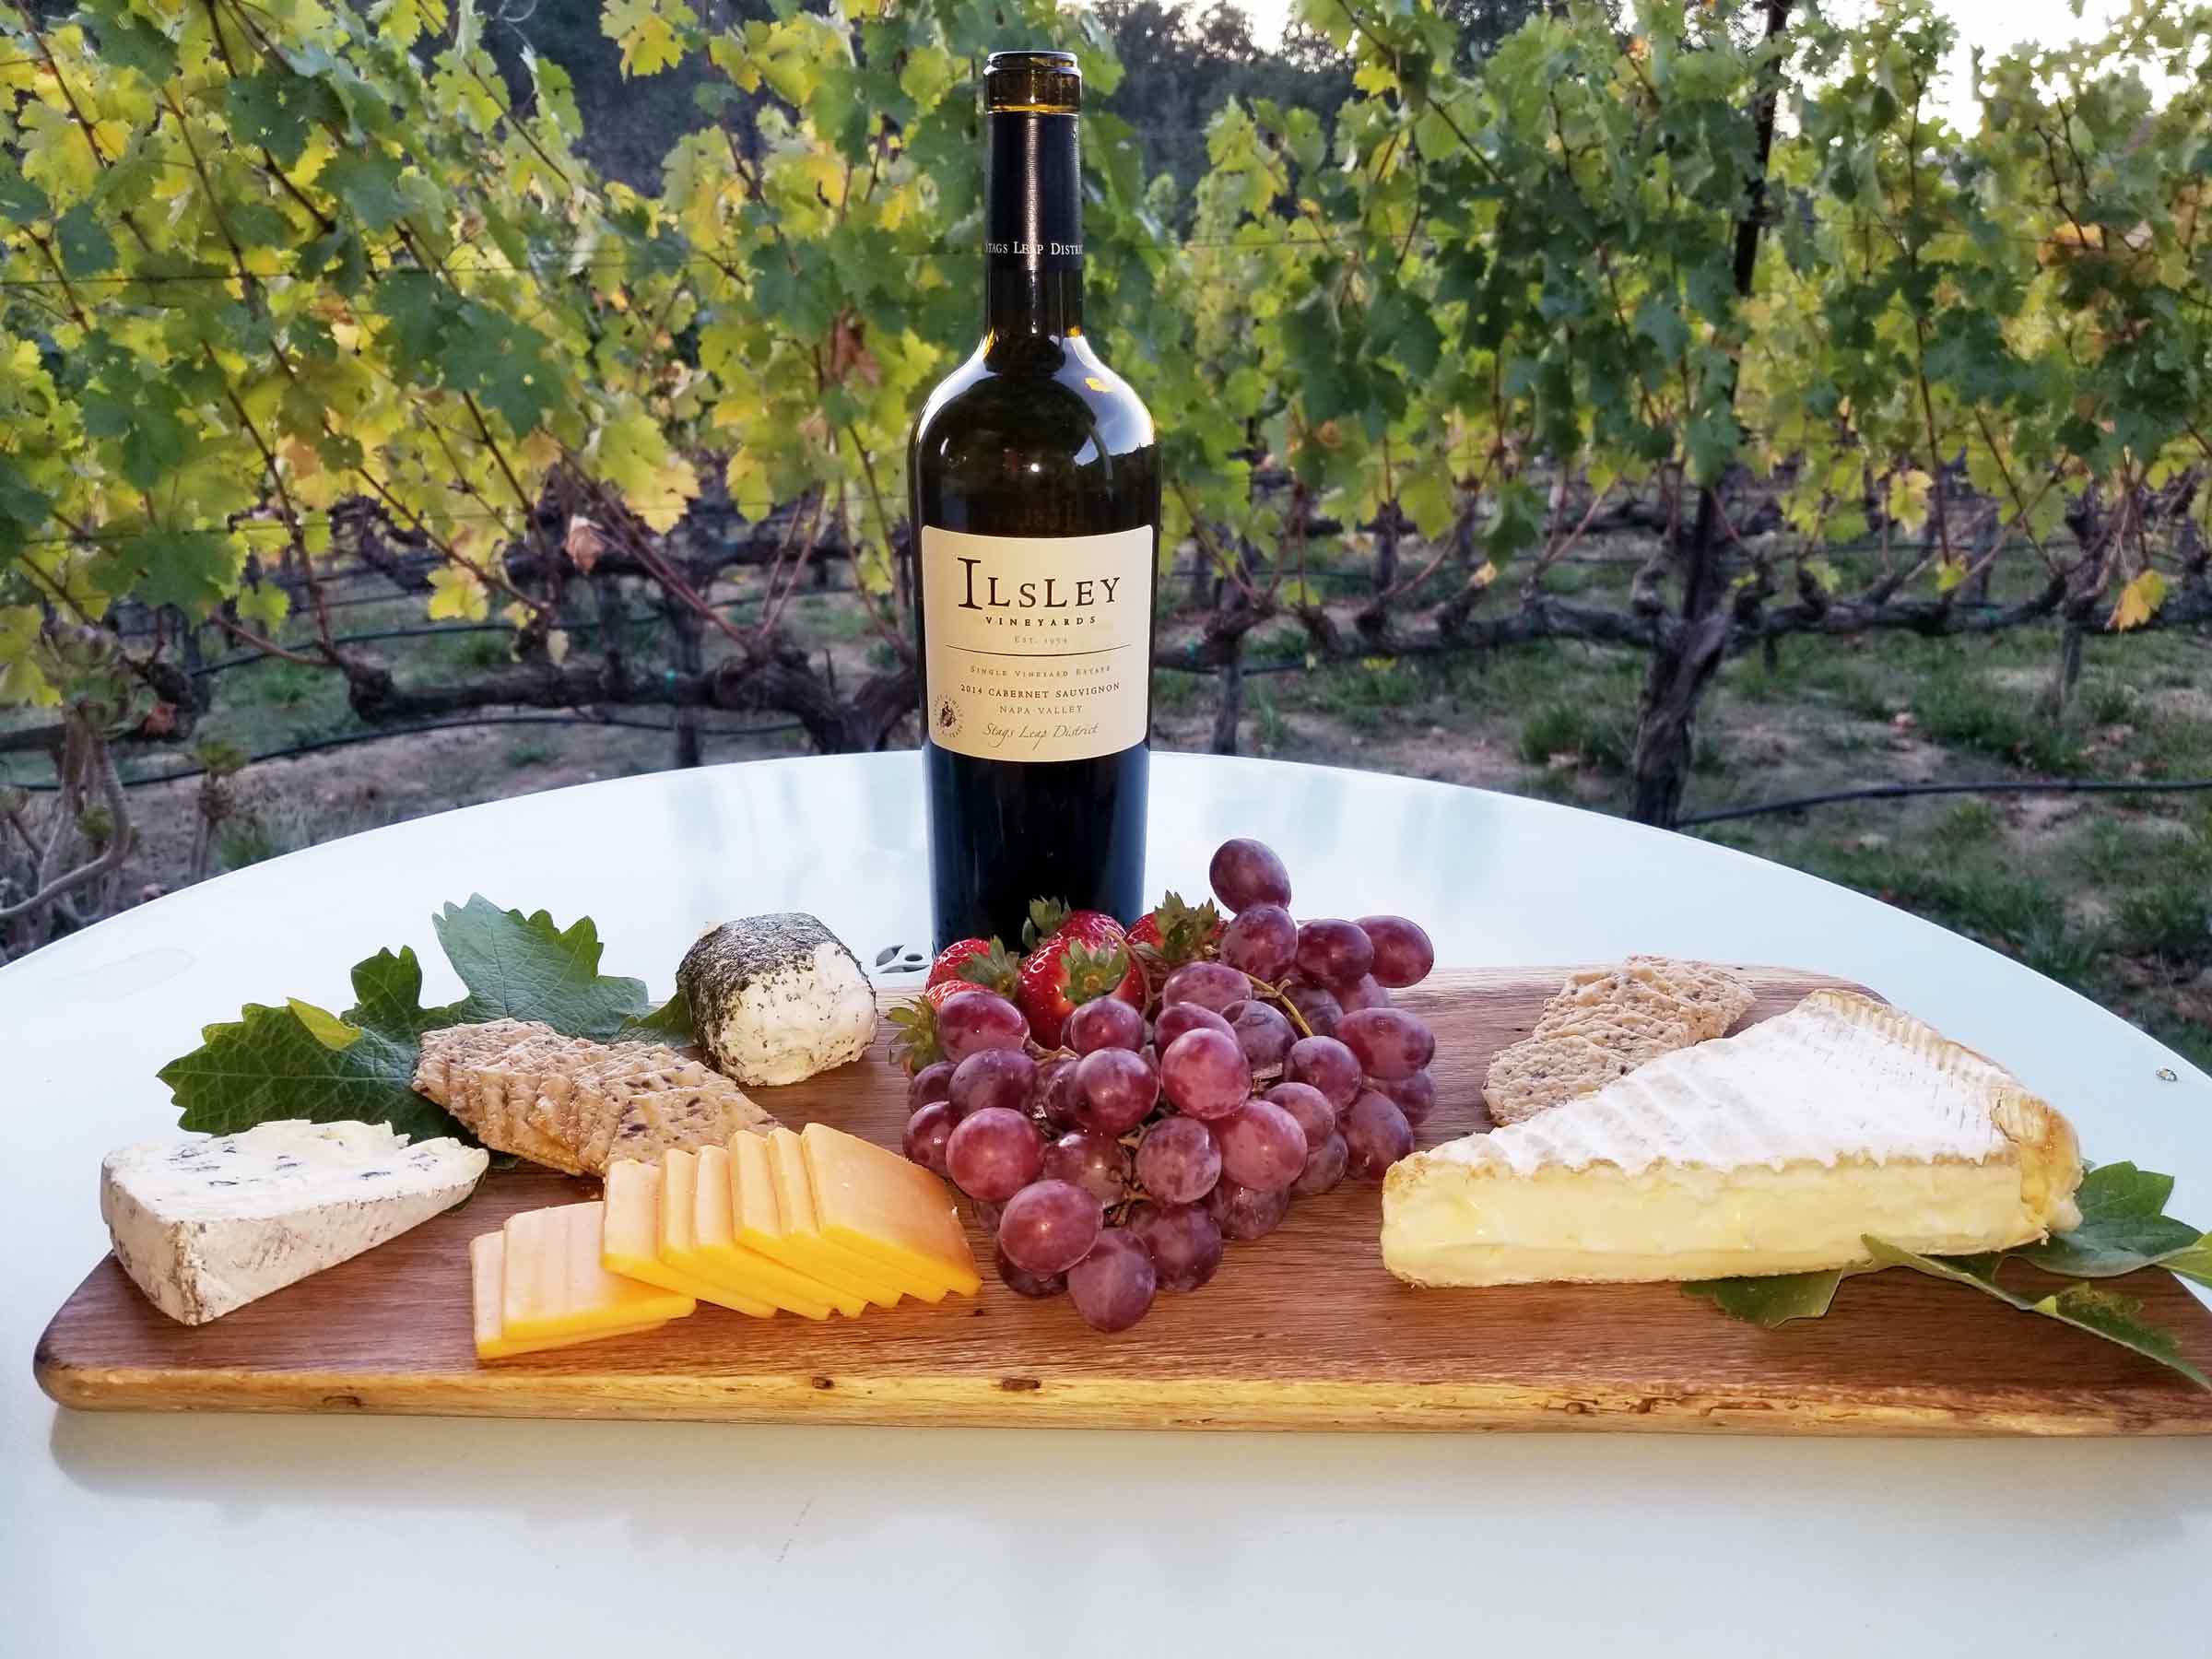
(1036, 507)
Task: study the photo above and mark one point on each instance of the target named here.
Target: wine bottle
(1035, 477)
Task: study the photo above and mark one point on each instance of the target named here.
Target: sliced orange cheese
(720, 1256)
(488, 1274)
(630, 1244)
(774, 1207)
(554, 1284)
(873, 1202)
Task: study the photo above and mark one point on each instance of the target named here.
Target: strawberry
(915, 1041)
(1083, 955)
(1175, 932)
(975, 962)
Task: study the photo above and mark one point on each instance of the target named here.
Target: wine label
(1037, 648)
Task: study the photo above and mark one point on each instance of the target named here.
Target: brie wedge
(1776, 1150)
(210, 1223)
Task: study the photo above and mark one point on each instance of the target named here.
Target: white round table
(183, 1535)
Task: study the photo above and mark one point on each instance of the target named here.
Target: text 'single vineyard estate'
(1036, 507)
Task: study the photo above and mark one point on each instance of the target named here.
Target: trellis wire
(347, 740)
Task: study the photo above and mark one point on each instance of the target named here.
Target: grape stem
(1275, 994)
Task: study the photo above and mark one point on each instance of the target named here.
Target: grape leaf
(2123, 1227)
(519, 967)
(671, 1022)
(1773, 1301)
(2100, 1313)
(300, 1060)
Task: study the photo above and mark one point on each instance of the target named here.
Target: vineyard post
(1686, 654)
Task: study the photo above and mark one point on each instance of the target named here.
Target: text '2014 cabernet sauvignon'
(1036, 512)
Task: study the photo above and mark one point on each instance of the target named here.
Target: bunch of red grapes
(1267, 1067)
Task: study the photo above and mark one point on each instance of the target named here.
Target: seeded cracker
(1606, 1022)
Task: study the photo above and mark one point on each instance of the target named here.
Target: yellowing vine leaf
(458, 594)
(1907, 500)
(2139, 601)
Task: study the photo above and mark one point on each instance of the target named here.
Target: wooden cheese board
(1303, 1329)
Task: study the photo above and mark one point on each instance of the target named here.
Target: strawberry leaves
(1045, 919)
(993, 968)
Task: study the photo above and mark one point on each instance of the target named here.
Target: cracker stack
(576, 1105)
(1607, 1021)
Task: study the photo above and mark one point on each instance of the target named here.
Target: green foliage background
(263, 260)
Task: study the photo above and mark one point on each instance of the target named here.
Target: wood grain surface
(1301, 1329)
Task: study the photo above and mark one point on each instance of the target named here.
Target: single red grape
(1175, 1019)
(1261, 1031)
(971, 1021)
(1390, 1042)
(992, 1076)
(1262, 1147)
(1104, 1022)
(1328, 1065)
(1331, 951)
(1178, 1161)
(1241, 1213)
(927, 1132)
(1415, 1096)
(1092, 1161)
(1112, 1287)
(1115, 1090)
(1209, 984)
(1403, 954)
(1245, 873)
(1376, 1134)
(1205, 1073)
(1262, 941)
(1182, 1240)
(1049, 1226)
(994, 1153)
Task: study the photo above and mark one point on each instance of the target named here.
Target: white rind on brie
(210, 1223)
(1776, 1150)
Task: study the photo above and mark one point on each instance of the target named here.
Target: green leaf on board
(2086, 1307)
(519, 967)
(671, 1022)
(1772, 1301)
(2123, 1227)
(301, 1061)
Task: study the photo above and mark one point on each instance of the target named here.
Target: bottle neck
(1032, 229)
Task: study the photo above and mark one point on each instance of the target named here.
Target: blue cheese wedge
(212, 1222)
(777, 998)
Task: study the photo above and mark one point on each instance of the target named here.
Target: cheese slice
(486, 1273)
(210, 1222)
(554, 1285)
(631, 1243)
(720, 1256)
(1777, 1150)
(877, 1204)
(774, 1215)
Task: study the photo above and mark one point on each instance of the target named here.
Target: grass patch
(2017, 913)
(2171, 922)
(1174, 692)
(1270, 729)
(1563, 728)
(1961, 710)
(528, 752)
